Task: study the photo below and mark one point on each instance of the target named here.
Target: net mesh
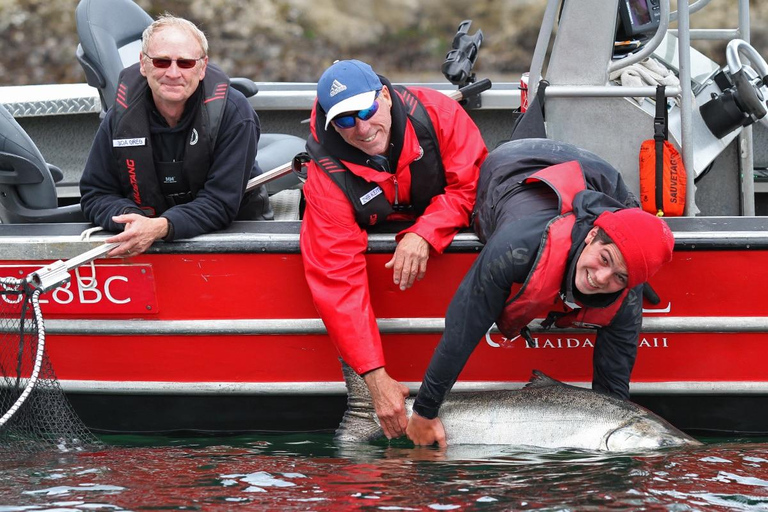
(35, 414)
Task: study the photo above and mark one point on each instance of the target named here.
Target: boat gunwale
(30, 242)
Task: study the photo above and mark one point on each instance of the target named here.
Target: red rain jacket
(333, 244)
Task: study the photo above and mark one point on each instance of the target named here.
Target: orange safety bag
(662, 174)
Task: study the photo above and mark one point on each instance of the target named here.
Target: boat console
(586, 74)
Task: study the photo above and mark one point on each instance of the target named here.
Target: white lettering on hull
(499, 341)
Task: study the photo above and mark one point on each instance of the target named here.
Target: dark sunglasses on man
(348, 121)
(163, 63)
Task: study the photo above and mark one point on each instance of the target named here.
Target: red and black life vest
(368, 200)
(132, 146)
(540, 293)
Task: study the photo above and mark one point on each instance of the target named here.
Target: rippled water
(309, 472)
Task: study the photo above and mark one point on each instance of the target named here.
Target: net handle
(42, 280)
(53, 275)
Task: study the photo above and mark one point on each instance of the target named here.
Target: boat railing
(684, 35)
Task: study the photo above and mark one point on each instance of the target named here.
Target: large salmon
(546, 413)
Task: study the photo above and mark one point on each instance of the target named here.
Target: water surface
(309, 472)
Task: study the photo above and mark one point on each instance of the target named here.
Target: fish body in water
(546, 413)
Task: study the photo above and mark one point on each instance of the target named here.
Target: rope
(38, 356)
(86, 237)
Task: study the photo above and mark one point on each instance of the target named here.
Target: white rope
(38, 359)
(86, 236)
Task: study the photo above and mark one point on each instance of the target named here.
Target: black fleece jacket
(216, 204)
(510, 219)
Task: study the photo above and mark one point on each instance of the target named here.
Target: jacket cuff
(171, 231)
(133, 209)
(426, 407)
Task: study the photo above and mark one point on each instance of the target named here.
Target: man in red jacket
(380, 153)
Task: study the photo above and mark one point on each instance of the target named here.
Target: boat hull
(219, 333)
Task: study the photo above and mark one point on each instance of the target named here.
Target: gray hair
(168, 20)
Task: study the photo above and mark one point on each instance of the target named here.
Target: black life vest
(367, 198)
(132, 147)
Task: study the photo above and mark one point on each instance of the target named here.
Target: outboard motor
(743, 100)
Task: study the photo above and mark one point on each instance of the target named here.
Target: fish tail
(359, 423)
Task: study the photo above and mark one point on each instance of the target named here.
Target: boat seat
(110, 40)
(27, 181)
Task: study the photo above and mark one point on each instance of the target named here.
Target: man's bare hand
(410, 260)
(424, 432)
(139, 234)
(389, 401)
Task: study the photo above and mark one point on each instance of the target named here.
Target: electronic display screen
(637, 17)
(638, 12)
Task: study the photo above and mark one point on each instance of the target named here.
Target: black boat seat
(110, 40)
(27, 181)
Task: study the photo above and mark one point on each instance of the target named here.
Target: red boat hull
(173, 325)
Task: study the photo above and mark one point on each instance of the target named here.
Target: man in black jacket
(563, 240)
(173, 156)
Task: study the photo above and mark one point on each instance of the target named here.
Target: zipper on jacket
(397, 202)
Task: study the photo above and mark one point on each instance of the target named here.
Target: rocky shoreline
(294, 40)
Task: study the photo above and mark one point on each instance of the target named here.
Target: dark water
(308, 472)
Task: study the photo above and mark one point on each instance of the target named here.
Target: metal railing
(684, 35)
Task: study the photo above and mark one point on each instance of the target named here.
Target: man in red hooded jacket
(380, 153)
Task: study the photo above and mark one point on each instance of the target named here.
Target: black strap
(552, 317)
(299, 165)
(525, 332)
(418, 115)
(660, 134)
(531, 125)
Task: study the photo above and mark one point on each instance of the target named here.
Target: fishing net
(35, 414)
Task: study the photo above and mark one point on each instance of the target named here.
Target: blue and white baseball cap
(347, 86)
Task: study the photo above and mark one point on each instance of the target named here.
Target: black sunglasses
(163, 63)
